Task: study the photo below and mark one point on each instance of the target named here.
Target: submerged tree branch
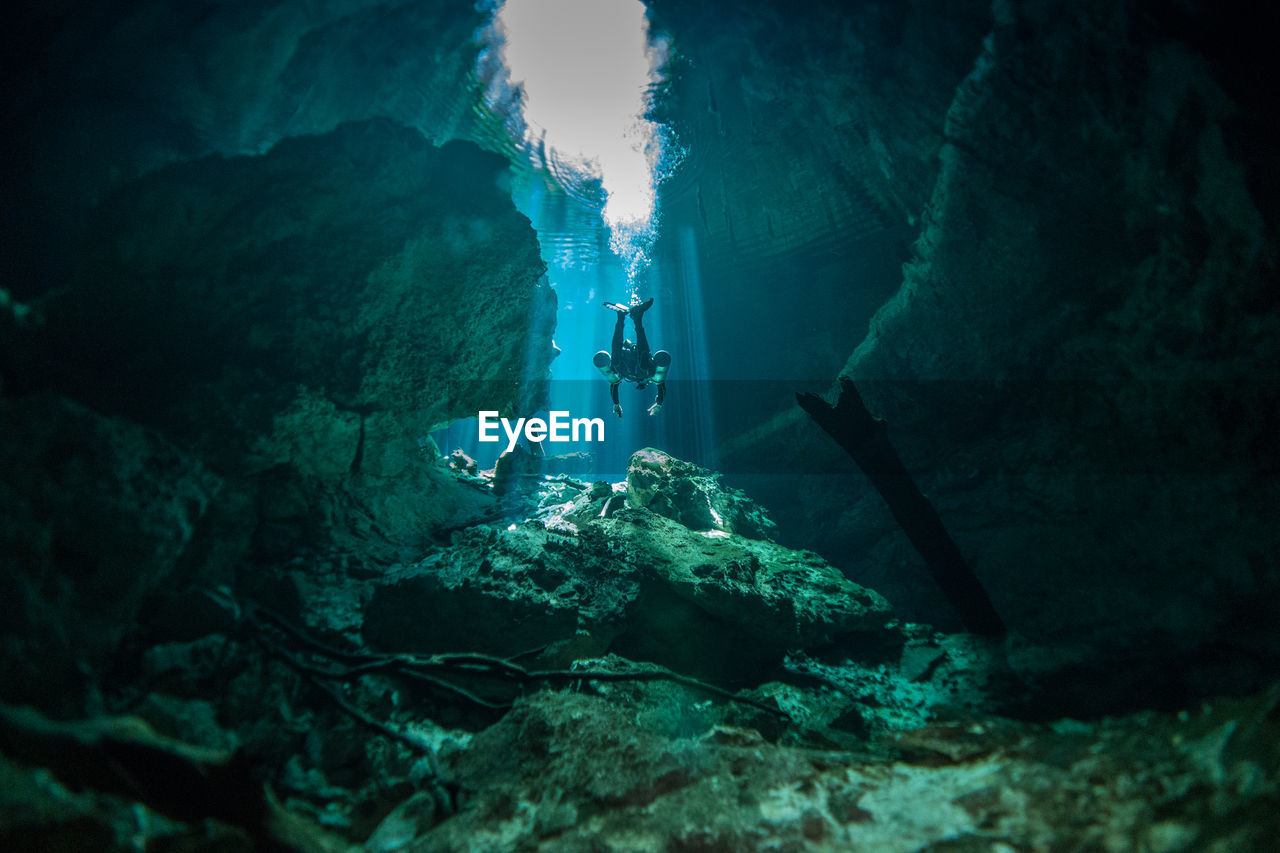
(866, 439)
(338, 665)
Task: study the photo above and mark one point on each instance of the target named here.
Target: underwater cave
(599, 425)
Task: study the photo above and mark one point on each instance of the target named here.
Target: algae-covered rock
(705, 602)
(692, 496)
(565, 771)
(500, 591)
(787, 598)
(459, 461)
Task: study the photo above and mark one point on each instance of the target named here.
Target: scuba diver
(632, 362)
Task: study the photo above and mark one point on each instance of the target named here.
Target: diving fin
(621, 309)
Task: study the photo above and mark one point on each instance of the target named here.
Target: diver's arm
(661, 364)
(613, 394)
(662, 395)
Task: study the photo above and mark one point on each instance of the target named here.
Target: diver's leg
(616, 346)
(642, 341)
(642, 345)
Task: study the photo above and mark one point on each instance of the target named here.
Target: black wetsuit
(633, 362)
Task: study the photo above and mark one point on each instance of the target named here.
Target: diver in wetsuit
(633, 362)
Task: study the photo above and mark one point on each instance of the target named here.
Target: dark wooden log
(867, 440)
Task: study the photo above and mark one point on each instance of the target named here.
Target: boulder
(462, 463)
(643, 585)
(692, 496)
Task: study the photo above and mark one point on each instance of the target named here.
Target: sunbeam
(585, 71)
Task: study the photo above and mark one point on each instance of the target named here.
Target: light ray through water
(573, 81)
(585, 72)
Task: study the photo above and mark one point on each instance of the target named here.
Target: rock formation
(1083, 340)
(704, 602)
(263, 344)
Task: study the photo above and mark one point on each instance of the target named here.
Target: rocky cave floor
(625, 667)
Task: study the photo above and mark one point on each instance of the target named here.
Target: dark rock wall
(809, 119)
(103, 93)
(222, 241)
(1081, 360)
(364, 264)
(99, 514)
(812, 132)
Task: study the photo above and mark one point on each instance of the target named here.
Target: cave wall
(811, 133)
(1080, 363)
(363, 264)
(103, 93)
(270, 283)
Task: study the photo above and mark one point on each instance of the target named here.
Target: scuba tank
(604, 364)
(661, 362)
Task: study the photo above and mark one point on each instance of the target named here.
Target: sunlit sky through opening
(586, 69)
